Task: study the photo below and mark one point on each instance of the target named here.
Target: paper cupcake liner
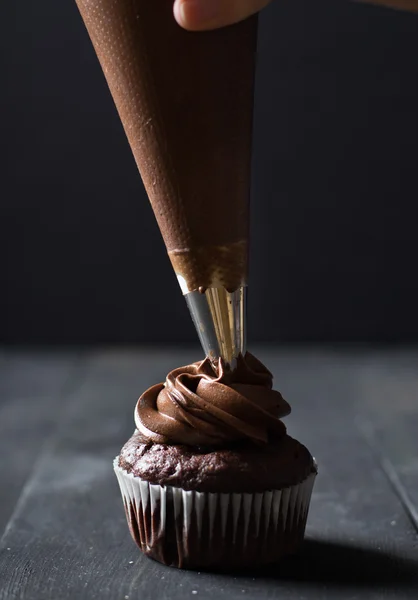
(188, 529)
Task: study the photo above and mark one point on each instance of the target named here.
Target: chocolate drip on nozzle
(186, 101)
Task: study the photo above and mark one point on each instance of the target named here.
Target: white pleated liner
(284, 510)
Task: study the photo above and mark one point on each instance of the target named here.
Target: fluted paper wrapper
(188, 529)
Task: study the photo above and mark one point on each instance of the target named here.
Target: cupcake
(210, 478)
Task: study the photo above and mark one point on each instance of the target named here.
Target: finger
(197, 15)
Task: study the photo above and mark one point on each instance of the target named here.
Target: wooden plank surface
(390, 421)
(30, 388)
(67, 537)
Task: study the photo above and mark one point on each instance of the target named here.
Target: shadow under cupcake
(210, 478)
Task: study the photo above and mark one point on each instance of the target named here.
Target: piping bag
(185, 100)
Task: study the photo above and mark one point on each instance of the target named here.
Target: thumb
(198, 15)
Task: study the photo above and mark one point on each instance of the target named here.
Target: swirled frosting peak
(198, 406)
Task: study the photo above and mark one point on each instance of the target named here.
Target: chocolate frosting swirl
(199, 407)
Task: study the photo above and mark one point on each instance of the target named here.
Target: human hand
(198, 15)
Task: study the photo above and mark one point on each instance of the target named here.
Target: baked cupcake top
(243, 467)
(201, 408)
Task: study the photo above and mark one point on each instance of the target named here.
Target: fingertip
(201, 15)
(179, 13)
(198, 15)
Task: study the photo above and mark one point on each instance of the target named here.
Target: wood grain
(30, 388)
(68, 537)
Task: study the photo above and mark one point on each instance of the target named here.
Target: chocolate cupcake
(210, 478)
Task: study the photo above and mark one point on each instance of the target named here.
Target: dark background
(335, 212)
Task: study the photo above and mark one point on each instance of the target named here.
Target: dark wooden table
(65, 415)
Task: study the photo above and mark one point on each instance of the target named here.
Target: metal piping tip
(220, 320)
